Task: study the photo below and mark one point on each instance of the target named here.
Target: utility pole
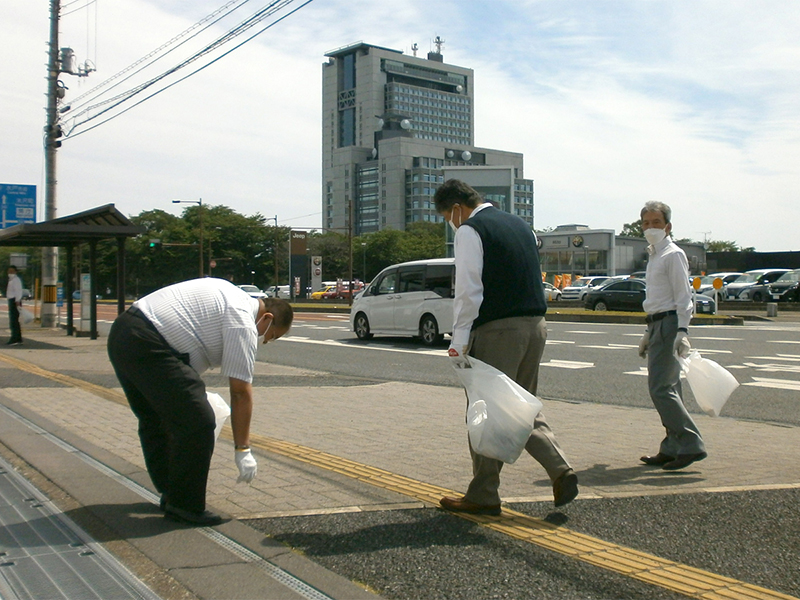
(52, 132)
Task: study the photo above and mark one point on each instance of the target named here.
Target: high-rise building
(394, 127)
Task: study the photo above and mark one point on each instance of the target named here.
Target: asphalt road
(583, 362)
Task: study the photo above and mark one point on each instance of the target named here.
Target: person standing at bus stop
(14, 296)
(498, 312)
(668, 304)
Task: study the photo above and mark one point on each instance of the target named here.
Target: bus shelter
(89, 227)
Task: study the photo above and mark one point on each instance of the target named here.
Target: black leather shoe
(205, 518)
(684, 460)
(657, 460)
(565, 488)
(465, 506)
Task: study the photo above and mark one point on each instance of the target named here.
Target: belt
(658, 316)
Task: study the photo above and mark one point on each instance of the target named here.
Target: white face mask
(261, 337)
(12, 275)
(451, 222)
(654, 235)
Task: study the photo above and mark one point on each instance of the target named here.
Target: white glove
(458, 358)
(246, 463)
(644, 343)
(682, 345)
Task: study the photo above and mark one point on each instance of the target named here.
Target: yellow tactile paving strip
(644, 567)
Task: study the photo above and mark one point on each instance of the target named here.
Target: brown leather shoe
(657, 460)
(465, 506)
(683, 460)
(565, 488)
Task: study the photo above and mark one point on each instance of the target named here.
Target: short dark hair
(12, 267)
(455, 191)
(281, 310)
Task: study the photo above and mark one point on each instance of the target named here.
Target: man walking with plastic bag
(499, 310)
(668, 304)
(159, 347)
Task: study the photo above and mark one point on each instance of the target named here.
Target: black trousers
(176, 422)
(13, 321)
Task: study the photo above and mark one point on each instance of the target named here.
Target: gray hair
(654, 206)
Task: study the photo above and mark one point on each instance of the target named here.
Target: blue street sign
(17, 204)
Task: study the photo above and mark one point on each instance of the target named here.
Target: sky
(612, 103)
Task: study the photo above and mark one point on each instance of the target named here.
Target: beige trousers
(514, 346)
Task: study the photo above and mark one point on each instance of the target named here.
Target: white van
(413, 298)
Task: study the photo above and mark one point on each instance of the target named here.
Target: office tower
(396, 126)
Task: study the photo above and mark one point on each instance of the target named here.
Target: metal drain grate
(44, 554)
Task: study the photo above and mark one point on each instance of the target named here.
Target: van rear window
(439, 280)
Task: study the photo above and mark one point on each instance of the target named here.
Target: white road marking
(339, 344)
(567, 364)
(641, 371)
(589, 332)
(716, 339)
(781, 384)
(774, 368)
(778, 357)
(609, 347)
(560, 342)
(710, 351)
(783, 341)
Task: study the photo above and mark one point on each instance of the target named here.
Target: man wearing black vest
(498, 313)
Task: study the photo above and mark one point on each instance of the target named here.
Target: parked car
(551, 292)
(280, 291)
(319, 293)
(76, 295)
(580, 287)
(753, 285)
(26, 294)
(629, 294)
(413, 298)
(707, 282)
(638, 275)
(253, 291)
(343, 292)
(786, 288)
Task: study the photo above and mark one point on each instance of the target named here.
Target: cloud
(612, 103)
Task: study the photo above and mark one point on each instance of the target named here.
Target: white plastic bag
(711, 384)
(221, 411)
(25, 316)
(500, 413)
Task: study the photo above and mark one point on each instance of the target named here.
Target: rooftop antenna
(414, 48)
(438, 42)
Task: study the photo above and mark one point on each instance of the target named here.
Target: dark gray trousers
(13, 322)
(664, 382)
(514, 346)
(176, 422)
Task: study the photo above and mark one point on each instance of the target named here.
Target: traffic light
(155, 244)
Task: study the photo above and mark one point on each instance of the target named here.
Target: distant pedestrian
(499, 310)
(14, 296)
(668, 304)
(159, 347)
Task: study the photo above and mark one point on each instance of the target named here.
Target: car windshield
(580, 283)
(747, 278)
(790, 276)
(249, 288)
(707, 280)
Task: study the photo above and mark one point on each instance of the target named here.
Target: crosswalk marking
(781, 384)
(716, 339)
(567, 364)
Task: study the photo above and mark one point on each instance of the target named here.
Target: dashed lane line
(641, 566)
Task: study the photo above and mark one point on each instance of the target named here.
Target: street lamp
(200, 211)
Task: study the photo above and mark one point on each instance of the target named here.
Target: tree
(722, 246)
(632, 229)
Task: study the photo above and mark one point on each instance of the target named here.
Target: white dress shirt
(668, 282)
(468, 248)
(14, 289)
(211, 320)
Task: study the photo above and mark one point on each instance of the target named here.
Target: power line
(241, 28)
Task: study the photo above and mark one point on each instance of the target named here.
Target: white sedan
(551, 292)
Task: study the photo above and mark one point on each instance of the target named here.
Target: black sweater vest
(512, 277)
